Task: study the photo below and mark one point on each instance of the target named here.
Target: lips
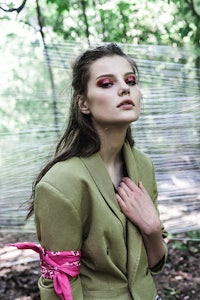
(126, 102)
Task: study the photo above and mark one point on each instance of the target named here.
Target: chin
(133, 119)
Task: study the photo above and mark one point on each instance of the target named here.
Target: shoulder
(72, 168)
(65, 176)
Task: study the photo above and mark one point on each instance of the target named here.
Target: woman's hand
(138, 207)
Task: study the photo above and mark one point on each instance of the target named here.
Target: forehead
(110, 65)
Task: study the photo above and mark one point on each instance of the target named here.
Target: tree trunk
(83, 3)
(48, 61)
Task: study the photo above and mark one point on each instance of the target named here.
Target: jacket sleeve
(59, 228)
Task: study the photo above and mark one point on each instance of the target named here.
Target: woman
(98, 195)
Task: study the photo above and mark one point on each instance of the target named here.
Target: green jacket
(76, 209)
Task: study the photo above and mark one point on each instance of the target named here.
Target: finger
(119, 198)
(123, 192)
(124, 187)
(121, 202)
(130, 183)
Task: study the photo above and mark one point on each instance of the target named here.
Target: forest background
(39, 40)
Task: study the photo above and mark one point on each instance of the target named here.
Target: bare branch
(17, 9)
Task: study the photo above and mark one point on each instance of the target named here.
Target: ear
(83, 105)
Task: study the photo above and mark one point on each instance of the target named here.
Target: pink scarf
(57, 266)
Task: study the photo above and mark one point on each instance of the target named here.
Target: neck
(110, 151)
(111, 144)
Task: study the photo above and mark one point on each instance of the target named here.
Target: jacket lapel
(98, 172)
(134, 239)
(130, 163)
(100, 176)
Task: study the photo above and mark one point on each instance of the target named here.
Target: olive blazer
(76, 209)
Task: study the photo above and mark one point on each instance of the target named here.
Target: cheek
(139, 91)
(138, 97)
(96, 100)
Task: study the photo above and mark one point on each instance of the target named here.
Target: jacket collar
(130, 163)
(98, 172)
(134, 239)
(101, 178)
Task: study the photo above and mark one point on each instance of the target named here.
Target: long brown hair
(80, 137)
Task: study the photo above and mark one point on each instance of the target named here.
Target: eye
(105, 83)
(131, 79)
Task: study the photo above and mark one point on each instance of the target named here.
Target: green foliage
(181, 246)
(187, 241)
(161, 22)
(194, 234)
(121, 21)
(189, 12)
(61, 5)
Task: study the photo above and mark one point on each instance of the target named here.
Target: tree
(189, 12)
(174, 22)
(41, 25)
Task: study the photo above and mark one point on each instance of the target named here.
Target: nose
(124, 89)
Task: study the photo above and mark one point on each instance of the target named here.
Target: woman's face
(113, 97)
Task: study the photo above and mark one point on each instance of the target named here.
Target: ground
(19, 270)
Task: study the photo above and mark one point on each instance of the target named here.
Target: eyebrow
(112, 75)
